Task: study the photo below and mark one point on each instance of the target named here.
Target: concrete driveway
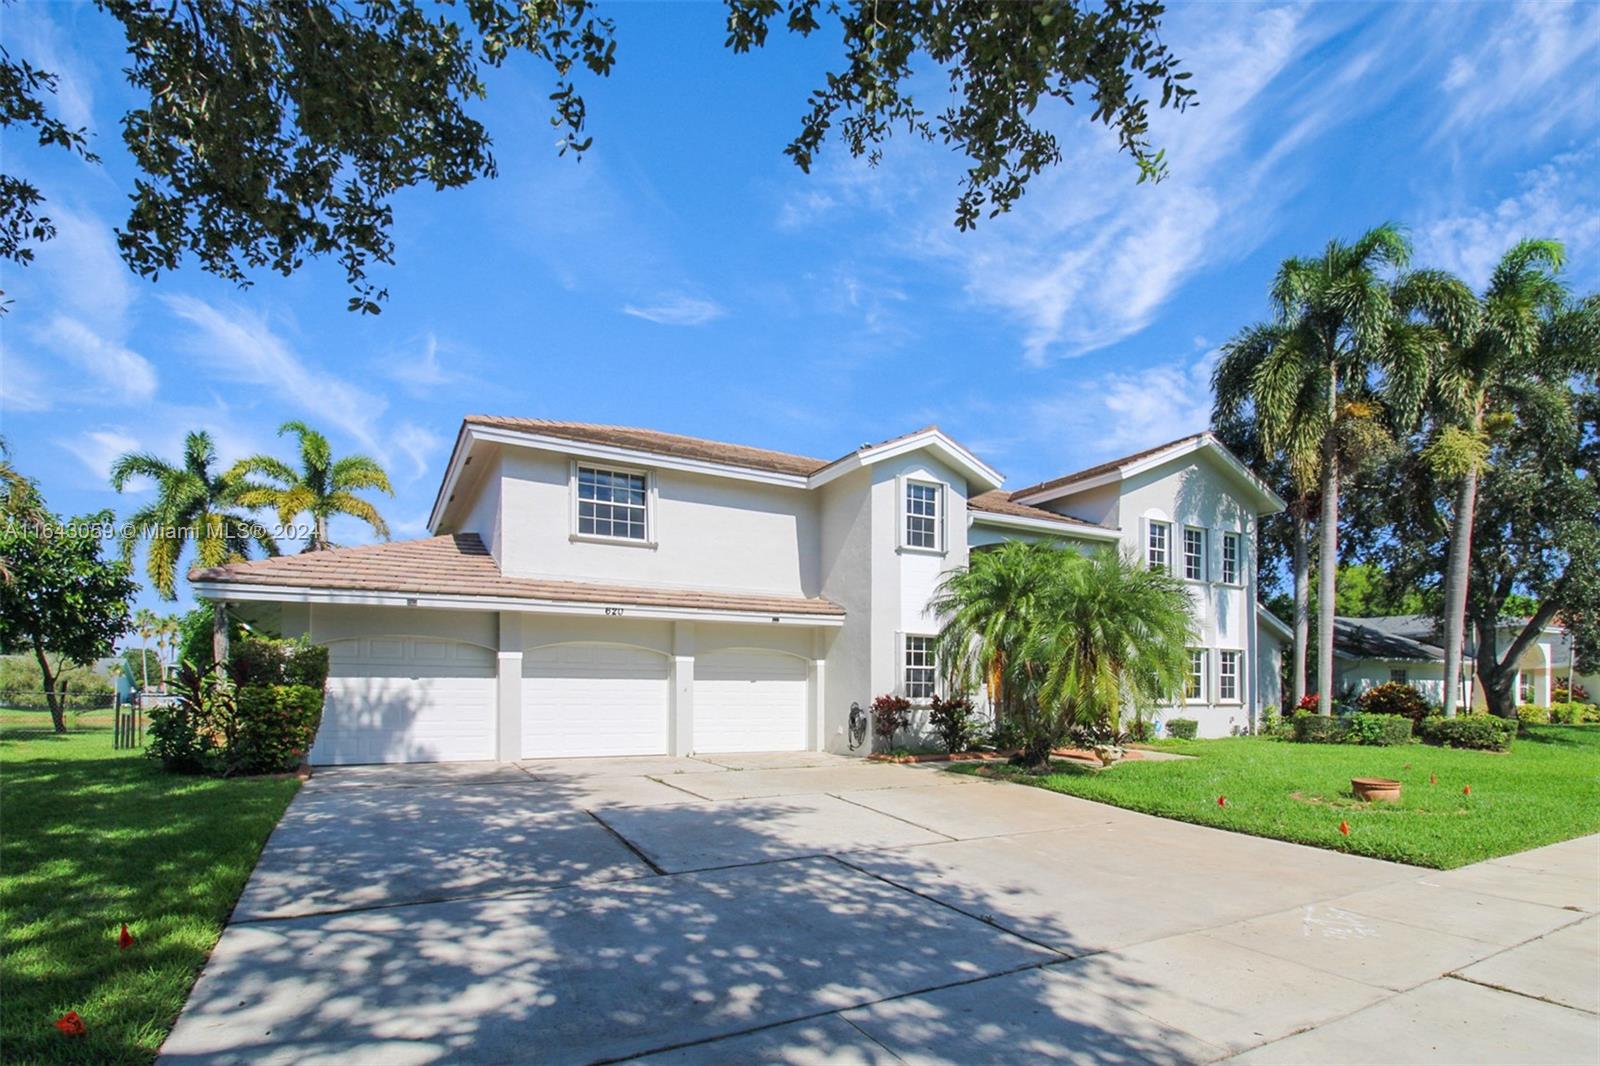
(810, 908)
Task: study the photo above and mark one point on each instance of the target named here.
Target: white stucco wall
(712, 533)
(845, 563)
(484, 516)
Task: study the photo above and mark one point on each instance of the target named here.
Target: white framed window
(1158, 545)
(1194, 689)
(612, 504)
(1230, 559)
(1194, 553)
(1525, 692)
(1399, 677)
(924, 515)
(917, 669)
(1228, 676)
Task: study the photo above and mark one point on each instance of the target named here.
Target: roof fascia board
(210, 590)
(1042, 525)
(1274, 623)
(975, 469)
(1274, 503)
(447, 485)
(1033, 499)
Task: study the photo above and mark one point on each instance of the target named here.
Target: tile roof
(1103, 468)
(1398, 637)
(999, 501)
(658, 443)
(460, 565)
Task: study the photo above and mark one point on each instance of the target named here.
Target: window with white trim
(922, 514)
(1194, 553)
(1228, 676)
(1194, 689)
(612, 503)
(1157, 546)
(1525, 692)
(918, 668)
(1230, 559)
(1399, 676)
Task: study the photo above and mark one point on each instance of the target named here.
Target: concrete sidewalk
(810, 908)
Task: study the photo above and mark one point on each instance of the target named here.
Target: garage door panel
(393, 700)
(588, 699)
(750, 700)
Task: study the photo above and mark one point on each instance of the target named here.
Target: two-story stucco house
(601, 590)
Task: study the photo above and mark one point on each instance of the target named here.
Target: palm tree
(193, 504)
(1496, 341)
(168, 630)
(322, 487)
(19, 500)
(1336, 326)
(1073, 639)
(144, 623)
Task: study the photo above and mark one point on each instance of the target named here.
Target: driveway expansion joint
(1517, 991)
(633, 848)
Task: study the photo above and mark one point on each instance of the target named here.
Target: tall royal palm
(146, 624)
(1503, 338)
(1335, 331)
(322, 487)
(194, 504)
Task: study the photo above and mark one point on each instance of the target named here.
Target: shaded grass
(1546, 789)
(91, 838)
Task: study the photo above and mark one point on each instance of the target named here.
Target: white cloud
(1559, 201)
(1536, 64)
(419, 445)
(22, 388)
(677, 310)
(422, 373)
(241, 345)
(98, 449)
(122, 375)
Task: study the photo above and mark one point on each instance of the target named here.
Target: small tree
(63, 600)
(890, 714)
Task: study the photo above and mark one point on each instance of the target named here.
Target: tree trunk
(144, 663)
(1455, 587)
(1302, 599)
(322, 532)
(1327, 577)
(1498, 673)
(219, 634)
(53, 699)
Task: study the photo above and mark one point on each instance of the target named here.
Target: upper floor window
(1194, 553)
(612, 503)
(1230, 558)
(1228, 675)
(1157, 547)
(922, 515)
(1194, 689)
(919, 671)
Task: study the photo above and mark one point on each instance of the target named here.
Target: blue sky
(685, 276)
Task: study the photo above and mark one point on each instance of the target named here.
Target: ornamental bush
(890, 714)
(257, 660)
(1533, 714)
(954, 723)
(1377, 730)
(1481, 732)
(1316, 728)
(1394, 697)
(1574, 713)
(1182, 728)
(275, 725)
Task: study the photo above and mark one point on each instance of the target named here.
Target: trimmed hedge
(1375, 730)
(275, 726)
(1393, 697)
(1479, 732)
(1574, 713)
(1182, 728)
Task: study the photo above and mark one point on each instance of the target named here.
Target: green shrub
(1481, 732)
(257, 660)
(1317, 729)
(1182, 728)
(274, 728)
(1378, 730)
(191, 736)
(954, 723)
(1533, 714)
(1394, 698)
(1574, 713)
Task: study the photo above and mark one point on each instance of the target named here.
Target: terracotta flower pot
(1375, 788)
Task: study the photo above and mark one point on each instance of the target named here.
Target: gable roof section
(1118, 469)
(656, 442)
(458, 567)
(934, 439)
(998, 507)
(1384, 638)
(1273, 622)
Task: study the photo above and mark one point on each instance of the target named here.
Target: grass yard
(91, 838)
(1546, 789)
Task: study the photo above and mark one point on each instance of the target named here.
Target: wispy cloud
(241, 345)
(1536, 63)
(98, 449)
(1559, 200)
(422, 373)
(677, 310)
(420, 446)
(114, 372)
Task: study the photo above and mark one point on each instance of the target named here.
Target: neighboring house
(602, 590)
(1405, 648)
(1276, 640)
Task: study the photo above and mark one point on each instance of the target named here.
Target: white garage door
(593, 699)
(749, 700)
(407, 699)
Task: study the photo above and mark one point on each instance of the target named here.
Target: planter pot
(1107, 754)
(1379, 789)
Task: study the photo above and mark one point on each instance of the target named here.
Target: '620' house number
(613, 611)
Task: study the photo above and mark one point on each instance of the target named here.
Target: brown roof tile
(1000, 502)
(658, 443)
(1103, 468)
(460, 565)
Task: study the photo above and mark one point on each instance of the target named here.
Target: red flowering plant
(890, 714)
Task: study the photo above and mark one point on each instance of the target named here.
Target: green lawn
(1546, 789)
(90, 838)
